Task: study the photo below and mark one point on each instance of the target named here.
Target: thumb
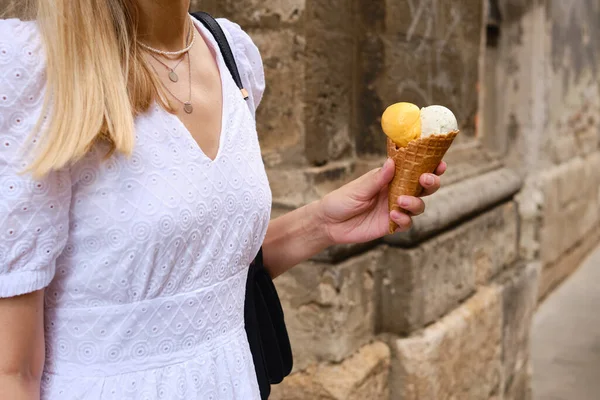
(372, 182)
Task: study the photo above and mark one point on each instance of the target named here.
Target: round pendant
(173, 76)
(188, 108)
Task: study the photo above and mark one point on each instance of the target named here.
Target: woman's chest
(168, 175)
(166, 215)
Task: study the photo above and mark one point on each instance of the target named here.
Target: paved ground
(566, 338)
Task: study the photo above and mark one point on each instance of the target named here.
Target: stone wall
(443, 311)
(549, 113)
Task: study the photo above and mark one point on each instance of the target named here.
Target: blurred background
(494, 292)
(471, 303)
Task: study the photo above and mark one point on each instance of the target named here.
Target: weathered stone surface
(458, 357)
(419, 285)
(338, 253)
(427, 70)
(369, 68)
(519, 387)
(436, 20)
(363, 375)
(457, 202)
(329, 47)
(512, 10)
(260, 13)
(570, 210)
(424, 52)
(553, 274)
(295, 187)
(280, 117)
(519, 293)
(576, 128)
(329, 309)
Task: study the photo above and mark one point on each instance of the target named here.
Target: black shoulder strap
(215, 29)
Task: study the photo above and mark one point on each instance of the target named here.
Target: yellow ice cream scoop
(401, 122)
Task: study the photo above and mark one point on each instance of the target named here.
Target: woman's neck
(163, 24)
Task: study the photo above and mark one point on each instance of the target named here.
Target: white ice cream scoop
(437, 120)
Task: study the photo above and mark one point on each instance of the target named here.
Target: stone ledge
(458, 202)
(472, 169)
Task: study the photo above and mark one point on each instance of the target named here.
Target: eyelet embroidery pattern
(144, 259)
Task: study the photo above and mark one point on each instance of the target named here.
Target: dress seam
(132, 303)
(233, 336)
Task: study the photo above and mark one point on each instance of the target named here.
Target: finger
(370, 184)
(430, 183)
(403, 221)
(413, 205)
(439, 171)
(386, 173)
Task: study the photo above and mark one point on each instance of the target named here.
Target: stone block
(554, 273)
(363, 375)
(570, 209)
(458, 357)
(280, 117)
(368, 103)
(519, 293)
(330, 55)
(329, 309)
(421, 284)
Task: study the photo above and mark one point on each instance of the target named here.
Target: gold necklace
(187, 105)
(171, 71)
(172, 53)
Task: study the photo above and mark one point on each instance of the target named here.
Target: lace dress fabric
(144, 259)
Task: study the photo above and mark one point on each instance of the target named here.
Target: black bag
(263, 315)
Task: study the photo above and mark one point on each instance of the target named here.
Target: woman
(128, 223)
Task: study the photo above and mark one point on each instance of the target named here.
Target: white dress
(144, 259)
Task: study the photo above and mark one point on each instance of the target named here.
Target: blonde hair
(97, 79)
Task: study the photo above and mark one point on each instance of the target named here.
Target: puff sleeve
(33, 213)
(248, 60)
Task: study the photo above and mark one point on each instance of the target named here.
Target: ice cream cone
(421, 156)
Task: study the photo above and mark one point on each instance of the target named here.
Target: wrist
(316, 225)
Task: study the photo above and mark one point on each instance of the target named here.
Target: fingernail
(404, 201)
(429, 180)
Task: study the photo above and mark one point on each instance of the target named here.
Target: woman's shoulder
(18, 33)
(22, 63)
(248, 59)
(20, 43)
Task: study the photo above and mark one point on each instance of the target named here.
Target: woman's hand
(358, 212)
(355, 213)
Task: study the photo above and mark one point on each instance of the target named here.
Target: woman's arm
(293, 238)
(21, 346)
(355, 213)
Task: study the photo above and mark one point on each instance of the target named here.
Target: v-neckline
(213, 46)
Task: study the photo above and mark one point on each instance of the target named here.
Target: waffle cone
(421, 156)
